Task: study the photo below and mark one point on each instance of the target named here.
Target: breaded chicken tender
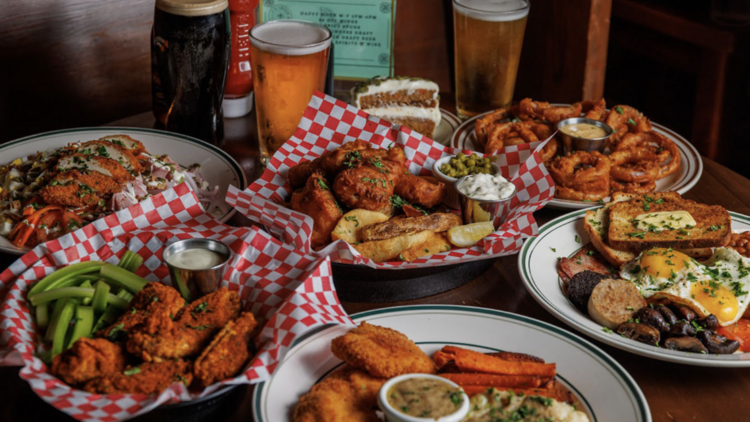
(317, 201)
(117, 152)
(88, 359)
(94, 163)
(75, 188)
(152, 309)
(381, 351)
(147, 378)
(135, 146)
(228, 352)
(191, 330)
(366, 387)
(333, 400)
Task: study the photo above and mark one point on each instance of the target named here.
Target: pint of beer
(289, 60)
(488, 39)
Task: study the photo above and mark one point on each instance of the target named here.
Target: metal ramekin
(574, 143)
(195, 283)
(481, 210)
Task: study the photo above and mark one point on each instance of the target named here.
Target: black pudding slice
(580, 288)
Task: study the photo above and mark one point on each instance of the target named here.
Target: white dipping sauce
(486, 187)
(196, 259)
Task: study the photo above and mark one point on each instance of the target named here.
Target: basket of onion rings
(635, 157)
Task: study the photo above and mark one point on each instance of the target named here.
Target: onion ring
(587, 192)
(579, 168)
(624, 119)
(528, 109)
(666, 151)
(485, 123)
(639, 188)
(634, 165)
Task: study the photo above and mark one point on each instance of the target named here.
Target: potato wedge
(388, 249)
(438, 242)
(349, 226)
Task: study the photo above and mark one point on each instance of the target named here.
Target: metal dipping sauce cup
(481, 210)
(574, 143)
(195, 283)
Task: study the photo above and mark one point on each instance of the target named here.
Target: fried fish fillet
(438, 222)
(147, 378)
(317, 201)
(88, 359)
(228, 352)
(420, 190)
(381, 351)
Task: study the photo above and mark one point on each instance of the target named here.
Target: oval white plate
(691, 166)
(601, 384)
(444, 131)
(218, 168)
(557, 239)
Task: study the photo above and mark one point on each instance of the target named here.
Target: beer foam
(290, 37)
(494, 10)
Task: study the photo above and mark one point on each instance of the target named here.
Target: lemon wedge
(469, 234)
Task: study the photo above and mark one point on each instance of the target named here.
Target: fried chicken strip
(335, 399)
(228, 352)
(190, 332)
(147, 378)
(381, 351)
(88, 359)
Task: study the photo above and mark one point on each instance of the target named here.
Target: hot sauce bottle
(238, 99)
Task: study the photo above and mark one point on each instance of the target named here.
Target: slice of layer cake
(412, 102)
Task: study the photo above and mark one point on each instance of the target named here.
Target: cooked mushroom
(683, 312)
(681, 329)
(685, 344)
(639, 332)
(653, 318)
(718, 344)
(667, 313)
(710, 322)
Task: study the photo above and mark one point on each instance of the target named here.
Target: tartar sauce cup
(573, 143)
(193, 282)
(393, 415)
(475, 210)
(451, 195)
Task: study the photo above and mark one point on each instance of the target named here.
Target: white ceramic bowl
(451, 195)
(393, 415)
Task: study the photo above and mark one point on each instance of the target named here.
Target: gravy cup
(393, 415)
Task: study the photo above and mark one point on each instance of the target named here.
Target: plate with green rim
(217, 167)
(605, 390)
(563, 237)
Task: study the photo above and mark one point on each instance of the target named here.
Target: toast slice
(713, 226)
(596, 224)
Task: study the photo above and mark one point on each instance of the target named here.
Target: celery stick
(107, 318)
(123, 278)
(61, 329)
(101, 291)
(86, 284)
(118, 302)
(60, 276)
(83, 326)
(124, 261)
(42, 316)
(182, 287)
(124, 294)
(65, 292)
(131, 261)
(56, 309)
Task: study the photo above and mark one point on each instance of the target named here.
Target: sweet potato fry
(471, 361)
(441, 358)
(499, 381)
(516, 357)
(559, 395)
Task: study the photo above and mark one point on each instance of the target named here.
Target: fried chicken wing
(191, 330)
(381, 351)
(328, 164)
(334, 400)
(317, 201)
(147, 378)
(228, 352)
(419, 190)
(152, 309)
(88, 359)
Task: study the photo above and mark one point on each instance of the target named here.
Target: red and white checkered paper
(288, 291)
(327, 124)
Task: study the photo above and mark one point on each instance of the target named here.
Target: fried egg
(718, 286)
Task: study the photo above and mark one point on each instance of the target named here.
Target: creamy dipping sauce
(486, 187)
(584, 130)
(425, 398)
(196, 259)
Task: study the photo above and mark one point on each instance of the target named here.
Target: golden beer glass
(289, 60)
(488, 38)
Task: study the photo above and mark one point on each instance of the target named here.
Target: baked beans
(741, 243)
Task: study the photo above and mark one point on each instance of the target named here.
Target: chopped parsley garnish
(577, 239)
(639, 235)
(352, 218)
(116, 332)
(322, 184)
(715, 228)
(132, 371)
(456, 398)
(102, 151)
(618, 109)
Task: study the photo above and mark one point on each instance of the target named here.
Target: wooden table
(674, 392)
